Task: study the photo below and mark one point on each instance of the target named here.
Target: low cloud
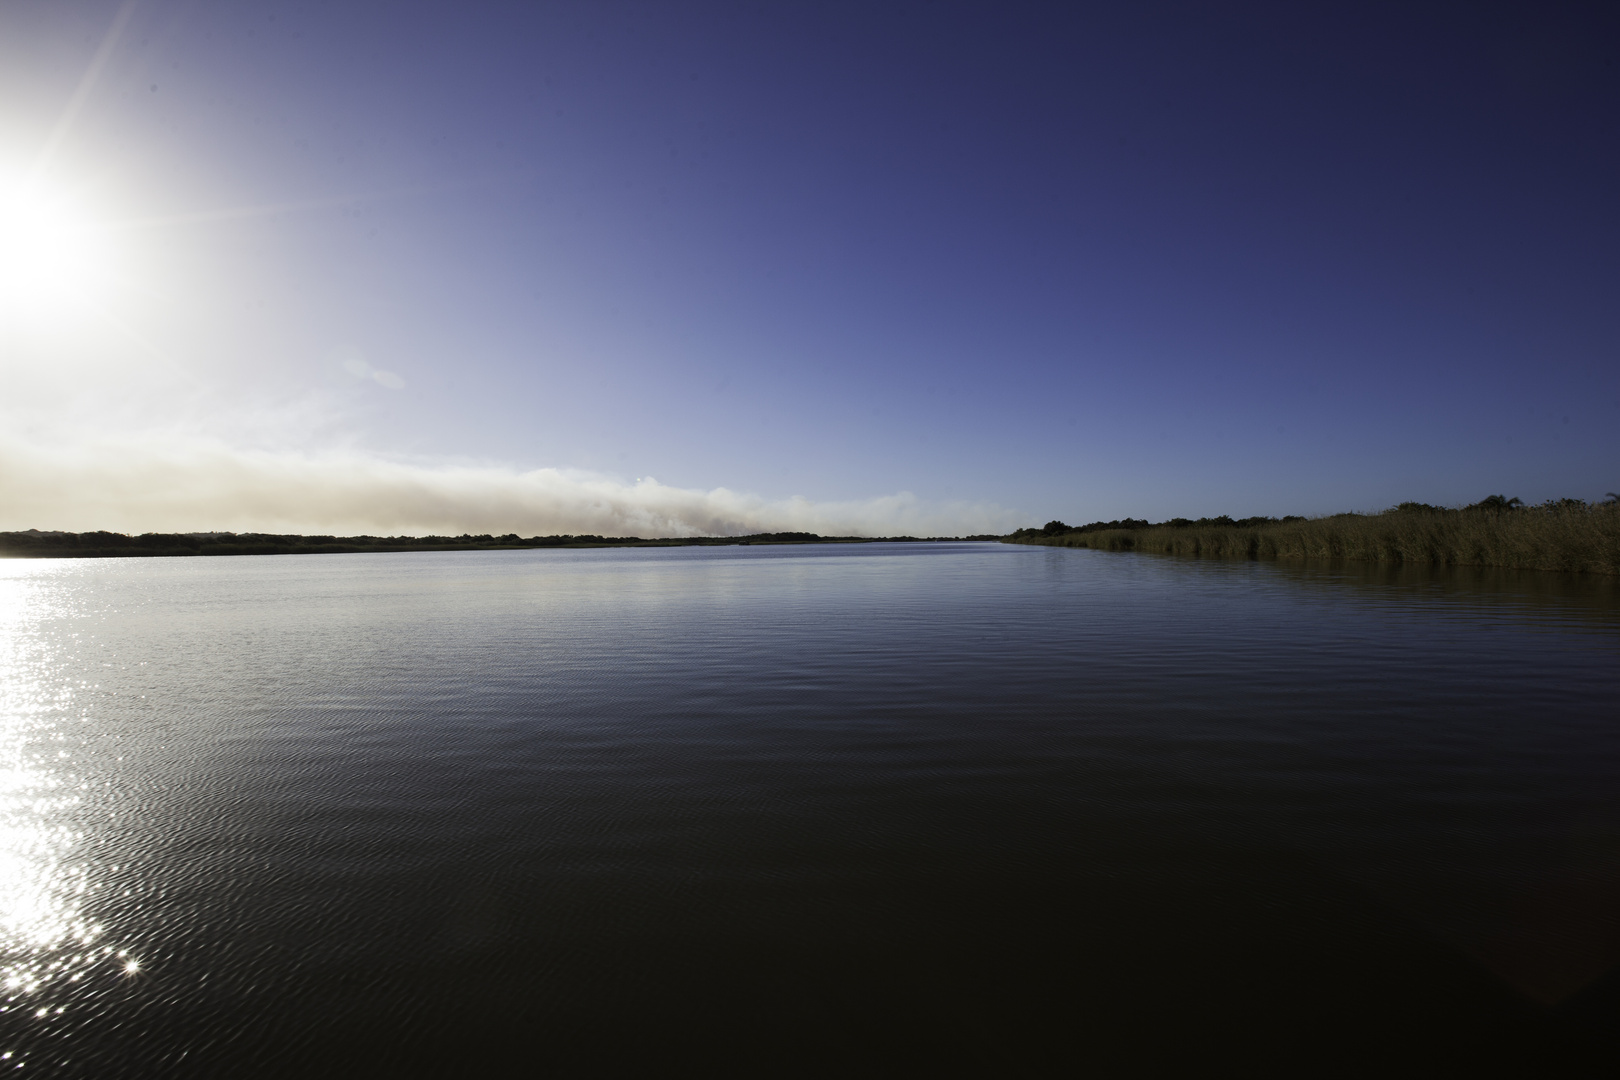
(362, 370)
(168, 486)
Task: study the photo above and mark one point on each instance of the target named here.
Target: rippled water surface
(855, 810)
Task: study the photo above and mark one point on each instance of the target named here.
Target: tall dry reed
(1557, 536)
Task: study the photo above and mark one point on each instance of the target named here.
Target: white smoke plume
(163, 486)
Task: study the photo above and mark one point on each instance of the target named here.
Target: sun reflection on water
(48, 938)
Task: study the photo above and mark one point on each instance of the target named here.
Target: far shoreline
(38, 544)
(1564, 535)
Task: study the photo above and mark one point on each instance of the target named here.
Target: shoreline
(37, 544)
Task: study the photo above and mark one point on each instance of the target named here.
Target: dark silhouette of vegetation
(1057, 528)
(37, 544)
(1560, 534)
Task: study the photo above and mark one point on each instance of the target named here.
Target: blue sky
(871, 268)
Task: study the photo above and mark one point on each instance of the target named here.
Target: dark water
(866, 810)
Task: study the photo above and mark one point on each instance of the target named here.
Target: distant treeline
(1561, 534)
(91, 545)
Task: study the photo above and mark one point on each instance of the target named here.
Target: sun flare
(53, 264)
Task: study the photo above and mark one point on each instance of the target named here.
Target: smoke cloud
(163, 486)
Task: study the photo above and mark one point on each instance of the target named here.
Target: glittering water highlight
(48, 938)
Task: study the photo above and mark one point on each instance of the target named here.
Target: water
(864, 810)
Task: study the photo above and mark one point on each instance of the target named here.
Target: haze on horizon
(903, 268)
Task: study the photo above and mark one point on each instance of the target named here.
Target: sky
(867, 268)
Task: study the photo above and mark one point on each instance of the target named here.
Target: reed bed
(1567, 536)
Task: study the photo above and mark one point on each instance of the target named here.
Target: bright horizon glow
(170, 484)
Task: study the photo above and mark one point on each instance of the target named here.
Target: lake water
(890, 809)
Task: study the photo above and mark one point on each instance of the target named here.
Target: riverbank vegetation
(92, 545)
(1564, 534)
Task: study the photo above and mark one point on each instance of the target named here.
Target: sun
(54, 266)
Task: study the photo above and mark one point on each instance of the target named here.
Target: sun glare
(53, 266)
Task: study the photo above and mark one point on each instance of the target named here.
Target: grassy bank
(1567, 535)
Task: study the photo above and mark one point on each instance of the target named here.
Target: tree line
(1491, 504)
(101, 544)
